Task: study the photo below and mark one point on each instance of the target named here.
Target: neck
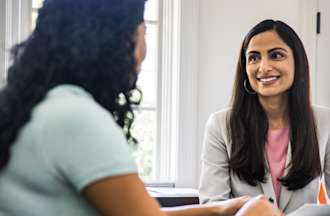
(276, 109)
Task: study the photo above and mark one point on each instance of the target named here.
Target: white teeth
(268, 79)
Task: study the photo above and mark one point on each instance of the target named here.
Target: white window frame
(188, 64)
(177, 153)
(15, 19)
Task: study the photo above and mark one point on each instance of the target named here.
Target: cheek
(141, 50)
(290, 70)
(144, 49)
(250, 72)
(292, 78)
(290, 75)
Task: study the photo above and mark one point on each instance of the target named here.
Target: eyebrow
(252, 52)
(277, 48)
(269, 51)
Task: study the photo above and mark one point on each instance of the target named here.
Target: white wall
(222, 27)
(323, 63)
(187, 155)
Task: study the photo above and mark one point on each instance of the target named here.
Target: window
(148, 115)
(145, 125)
(3, 65)
(175, 145)
(167, 116)
(36, 4)
(157, 119)
(14, 27)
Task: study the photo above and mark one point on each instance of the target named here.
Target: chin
(271, 93)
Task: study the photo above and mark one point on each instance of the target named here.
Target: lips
(268, 79)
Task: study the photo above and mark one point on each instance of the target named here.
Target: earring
(251, 92)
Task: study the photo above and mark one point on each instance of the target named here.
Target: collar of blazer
(268, 188)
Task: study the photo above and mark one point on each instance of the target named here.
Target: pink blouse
(277, 149)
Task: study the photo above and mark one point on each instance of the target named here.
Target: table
(170, 197)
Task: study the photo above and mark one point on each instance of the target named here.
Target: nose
(265, 65)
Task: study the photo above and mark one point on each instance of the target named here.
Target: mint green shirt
(69, 143)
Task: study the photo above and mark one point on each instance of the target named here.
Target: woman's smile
(268, 80)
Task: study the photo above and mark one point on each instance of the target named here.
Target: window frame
(14, 27)
(179, 68)
(188, 158)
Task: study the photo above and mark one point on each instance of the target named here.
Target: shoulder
(322, 116)
(321, 110)
(217, 122)
(219, 117)
(322, 119)
(70, 112)
(78, 138)
(70, 106)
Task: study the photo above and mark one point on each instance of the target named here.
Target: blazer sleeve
(322, 115)
(327, 167)
(215, 176)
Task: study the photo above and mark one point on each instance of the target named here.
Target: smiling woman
(270, 65)
(272, 140)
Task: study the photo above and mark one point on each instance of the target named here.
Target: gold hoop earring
(251, 92)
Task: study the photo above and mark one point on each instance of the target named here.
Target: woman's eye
(276, 55)
(252, 58)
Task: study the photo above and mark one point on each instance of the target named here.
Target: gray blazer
(218, 183)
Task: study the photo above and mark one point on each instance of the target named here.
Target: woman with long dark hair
(65, 113)
(271, 140)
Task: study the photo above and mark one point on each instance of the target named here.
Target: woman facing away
(66, 110)
(271, 140)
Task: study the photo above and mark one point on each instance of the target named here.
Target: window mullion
(17, 16)
(166, 152)
(3, 7)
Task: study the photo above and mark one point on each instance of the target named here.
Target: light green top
(70, 142)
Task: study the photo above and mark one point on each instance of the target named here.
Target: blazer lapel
(268, 189)
(285, 193)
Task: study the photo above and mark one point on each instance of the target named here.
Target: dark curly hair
(89, 43)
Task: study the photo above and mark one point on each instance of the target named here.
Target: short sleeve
(81, 142)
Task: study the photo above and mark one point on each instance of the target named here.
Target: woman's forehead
(266, 41)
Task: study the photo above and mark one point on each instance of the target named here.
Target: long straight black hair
(248, 123)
